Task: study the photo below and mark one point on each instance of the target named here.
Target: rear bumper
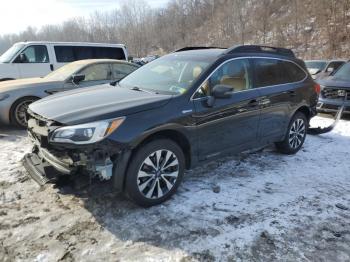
(332, 105)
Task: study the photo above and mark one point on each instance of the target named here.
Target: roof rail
(260, 49)
(188, 48)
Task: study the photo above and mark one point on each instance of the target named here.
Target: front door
(33, 61)
(230, 124)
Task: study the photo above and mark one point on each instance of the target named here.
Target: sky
(17, 15)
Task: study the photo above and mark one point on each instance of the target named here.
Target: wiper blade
(136, 88)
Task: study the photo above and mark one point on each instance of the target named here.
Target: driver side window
(96, 72)
(33, 54)
(235, 74)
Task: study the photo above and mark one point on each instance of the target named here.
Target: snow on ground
(260, 206)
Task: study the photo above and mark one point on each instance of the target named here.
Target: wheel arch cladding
(173, 135)
(305, 110)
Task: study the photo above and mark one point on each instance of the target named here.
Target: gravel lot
(259, 206)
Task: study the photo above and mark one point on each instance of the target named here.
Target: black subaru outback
(193, 105)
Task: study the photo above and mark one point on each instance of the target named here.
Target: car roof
(207, 52)
(98, 61)
(239, 50)
(72, 43)
(327, 61)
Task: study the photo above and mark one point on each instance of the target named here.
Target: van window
(67, 54)
(270, 72)
(64, 54)
(33, 54)
(83, 52)
(109, 52)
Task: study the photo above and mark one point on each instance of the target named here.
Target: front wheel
(295, 136)
(155, 172)
(19, 111)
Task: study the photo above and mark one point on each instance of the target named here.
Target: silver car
(16, 95)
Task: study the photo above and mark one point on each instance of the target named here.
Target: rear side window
(66, 54)
(83, 52)
(121, 70)
(335, 65)
(109, 52)
(270, 72)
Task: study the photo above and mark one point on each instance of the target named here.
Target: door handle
(291, 93)
(51, 67)
(264, 101)
(253, 102)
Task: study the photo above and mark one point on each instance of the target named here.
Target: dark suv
(181, 110)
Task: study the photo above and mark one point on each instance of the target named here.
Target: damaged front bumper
(45, 166)
(48, 161)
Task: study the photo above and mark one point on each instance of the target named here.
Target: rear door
(280, 83)
(231, 124)
(33, 61)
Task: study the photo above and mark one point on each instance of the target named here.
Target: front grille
(335, 93)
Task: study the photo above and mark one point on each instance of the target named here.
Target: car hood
(96, 103)
(10, 85)
(334, 82)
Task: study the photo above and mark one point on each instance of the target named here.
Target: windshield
(316, 64)
(10, 53)
(64, 72)
(172, 74)
(343, 72)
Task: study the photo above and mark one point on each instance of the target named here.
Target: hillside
(314, 29)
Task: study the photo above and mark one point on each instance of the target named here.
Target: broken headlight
(86, 133)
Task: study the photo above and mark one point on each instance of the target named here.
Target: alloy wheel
(297, 133)
(21, 110)
(158, 174)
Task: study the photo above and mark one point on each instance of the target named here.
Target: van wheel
(155, 172)
(295, 136)
(19, 111)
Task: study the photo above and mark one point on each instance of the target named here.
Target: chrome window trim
(250, 57)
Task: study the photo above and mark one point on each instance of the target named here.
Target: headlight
(86, 133)
(3, 96)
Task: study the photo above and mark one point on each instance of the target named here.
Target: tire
(155, 172)
(295, 136)
(18, 111)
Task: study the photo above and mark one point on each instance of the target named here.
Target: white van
(37, 59)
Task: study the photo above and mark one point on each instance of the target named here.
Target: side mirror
(76, 79)
(222, 91)
(21, 58)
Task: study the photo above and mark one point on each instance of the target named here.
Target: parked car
(323, 68)
(16, 95)
(181, 110)
(37, 59)
(333, 91)
(149, 58)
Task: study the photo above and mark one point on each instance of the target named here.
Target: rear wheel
(19, 110)
(155, 172)
(295, 136)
